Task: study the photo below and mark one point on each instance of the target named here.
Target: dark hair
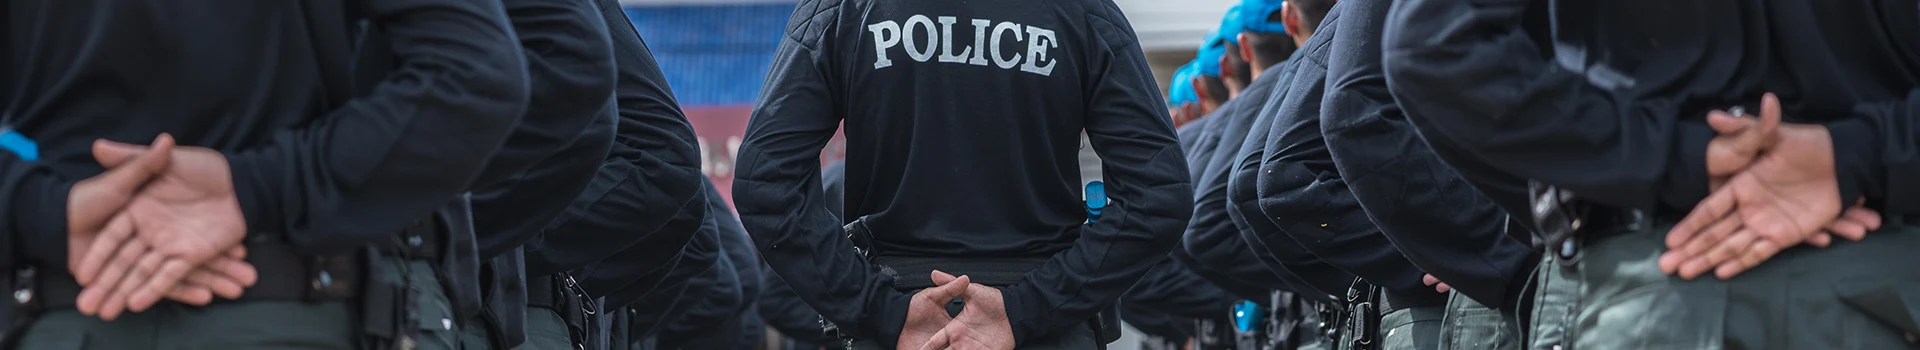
(1216, 88)
(1241, 72)
(1269, 48)
(1311, 12)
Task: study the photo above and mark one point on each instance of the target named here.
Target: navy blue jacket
(1586, 107)
(926, 181)
(1440, 222)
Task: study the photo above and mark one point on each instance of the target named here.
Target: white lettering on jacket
(921, 39)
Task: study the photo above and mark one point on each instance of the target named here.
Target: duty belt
(1563, 220)
(564, 295)
(283, 275)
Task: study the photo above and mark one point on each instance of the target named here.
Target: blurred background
(716, 53)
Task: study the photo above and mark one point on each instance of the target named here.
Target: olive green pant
(1852, 295)
(1414, 328)
(545, 331)
(1080, 337)
(1472, 326)
(246, 325)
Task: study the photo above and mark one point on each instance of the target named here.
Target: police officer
(283, 166)
(649, 303)
(983, 188)
(720, 316)
(1302, 192)
(1614, 134)
(1182, 102)
(1438, 221)
(641, 208)
(782, 308)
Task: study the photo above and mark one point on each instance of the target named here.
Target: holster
(387, 301)
(564, 295)
(1363, 315)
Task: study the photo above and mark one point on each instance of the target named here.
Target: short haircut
(1270, 48)
(1216, 88)
(1311, 12)
(1241, 72)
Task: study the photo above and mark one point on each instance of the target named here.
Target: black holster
(564, 295)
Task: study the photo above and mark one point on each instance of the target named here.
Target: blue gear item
(1180, 90)
(1230, 28)
(19, 145)
(1096, 200)
(1247, 316)
(1254, 13)
(1208, 59)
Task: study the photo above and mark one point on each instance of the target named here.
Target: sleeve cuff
(44, 232)
(1686, 180)
(1853, 160)
(1025, 315)
(251, 189)
(891, 318)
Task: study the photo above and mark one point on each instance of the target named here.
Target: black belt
(911, 273)
(543, 291)
(283, 276)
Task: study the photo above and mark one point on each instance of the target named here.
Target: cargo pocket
(1666, 315)
(432, 312)
(1893, 311)
(53, 337)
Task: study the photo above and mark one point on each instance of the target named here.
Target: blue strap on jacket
(19, 144)
(1096, 200)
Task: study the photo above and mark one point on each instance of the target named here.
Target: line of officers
(1411, 174)
(349, 174)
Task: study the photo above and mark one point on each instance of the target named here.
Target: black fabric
(646, 200)
(1303, 193)
(1613, 117)
(1442, 224)
(909, 121)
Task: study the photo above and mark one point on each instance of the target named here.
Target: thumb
(112, 154)
(940, 277)
(1726, 123)
(1770, 116)
(952, 289)
(133, 165)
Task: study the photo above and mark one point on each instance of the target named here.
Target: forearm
(35, 204)
(389, 158)
(515, 213)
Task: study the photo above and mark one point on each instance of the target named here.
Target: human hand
(1787, 196)
(927, 313)
(982, 325)
(1740, 140)
(91, 202)
(1435, 282)
(184, 218)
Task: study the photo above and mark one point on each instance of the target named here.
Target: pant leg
(1416, 328)
(473, 336)
(546, 331)
(1471, 326)
(431, 309)
(69, 330)
(1802, 298)
(259, 325)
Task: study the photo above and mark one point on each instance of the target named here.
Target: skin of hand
(186, 219)
(927, 313)
(982, 325)
(1786, 196)
(1435, 282)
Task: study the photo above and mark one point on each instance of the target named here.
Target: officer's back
(1017, 73)
(963, 122)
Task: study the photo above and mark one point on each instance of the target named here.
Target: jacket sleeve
(648, 193)
(656, 305)
(510, 214)
(1307, 197)
(1147, 181)
(1877, 154)
(388, 158)
(777, 187)
(1481, 81)
(1171, 288)
(35, 203)
(1442, 224)
(570, 73)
